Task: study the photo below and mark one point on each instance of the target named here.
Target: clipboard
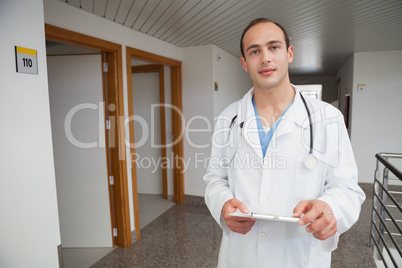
(268, 217)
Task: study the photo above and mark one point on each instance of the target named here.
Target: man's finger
(322, 225)
(301, 207)
(310, 215)
(326, 233)
(241, 226)
(240, 205)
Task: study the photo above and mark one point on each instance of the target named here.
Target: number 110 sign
(26, 60)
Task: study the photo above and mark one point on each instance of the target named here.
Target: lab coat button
(263, 201)
(262, 235)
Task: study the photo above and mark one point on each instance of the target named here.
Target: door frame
(177, 124)
(118, 195)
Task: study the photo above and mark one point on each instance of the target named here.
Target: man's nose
(265, 56)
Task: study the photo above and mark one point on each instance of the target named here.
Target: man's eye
(275, 48)
(254, 52)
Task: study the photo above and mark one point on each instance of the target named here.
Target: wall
(329, 93)
(198, 109)
(29, 226)
(233, 80)
(376, 118)
(201, 104)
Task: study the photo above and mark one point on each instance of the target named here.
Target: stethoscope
(310, 161)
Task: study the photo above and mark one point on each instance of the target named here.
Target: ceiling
(324, 33)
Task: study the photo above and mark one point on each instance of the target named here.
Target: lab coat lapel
(250, 129)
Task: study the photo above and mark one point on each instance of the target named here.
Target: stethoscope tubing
(310, 123)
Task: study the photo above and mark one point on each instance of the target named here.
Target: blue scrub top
(265, 138)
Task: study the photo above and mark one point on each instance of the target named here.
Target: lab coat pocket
(308, 181)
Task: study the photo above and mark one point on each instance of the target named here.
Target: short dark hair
(260, 20)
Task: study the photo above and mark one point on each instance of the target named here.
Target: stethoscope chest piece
(310, 161)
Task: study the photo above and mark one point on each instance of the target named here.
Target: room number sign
(26, 60)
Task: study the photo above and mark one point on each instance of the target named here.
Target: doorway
(75, 93)
(141, 62)
(152, 127)
(114, 143)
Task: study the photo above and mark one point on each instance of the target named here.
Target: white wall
(201, 104)
(377, 112)
(79, 150)
(197, 84)
(233, 80)
(29, 226)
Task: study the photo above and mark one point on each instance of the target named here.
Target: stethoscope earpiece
(310, 161)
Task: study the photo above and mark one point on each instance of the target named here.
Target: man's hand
(320, 216)
(237, 224)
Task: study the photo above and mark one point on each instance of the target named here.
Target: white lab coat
(276, 184)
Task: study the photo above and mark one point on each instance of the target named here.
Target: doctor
(270, 157)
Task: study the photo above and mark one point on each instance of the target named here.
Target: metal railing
(386, 221)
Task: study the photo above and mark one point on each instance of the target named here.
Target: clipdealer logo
(193, 129)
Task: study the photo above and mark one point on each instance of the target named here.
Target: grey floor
(150, 208)
(83, 257)
(187, 236)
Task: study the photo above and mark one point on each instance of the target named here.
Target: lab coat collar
(246, 111)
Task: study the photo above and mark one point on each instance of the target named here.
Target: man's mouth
(267, 71)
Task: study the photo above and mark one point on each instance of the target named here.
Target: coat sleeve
(341, 190)
(218, 191)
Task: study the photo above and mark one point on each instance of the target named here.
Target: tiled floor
(184, 236)
(187, 236)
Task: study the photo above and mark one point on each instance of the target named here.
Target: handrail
(382, 157)
(382, 215)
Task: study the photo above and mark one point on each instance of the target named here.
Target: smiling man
(315, 190)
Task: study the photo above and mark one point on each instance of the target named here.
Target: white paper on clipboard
(238, 213)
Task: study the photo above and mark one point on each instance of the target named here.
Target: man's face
(266, 57)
